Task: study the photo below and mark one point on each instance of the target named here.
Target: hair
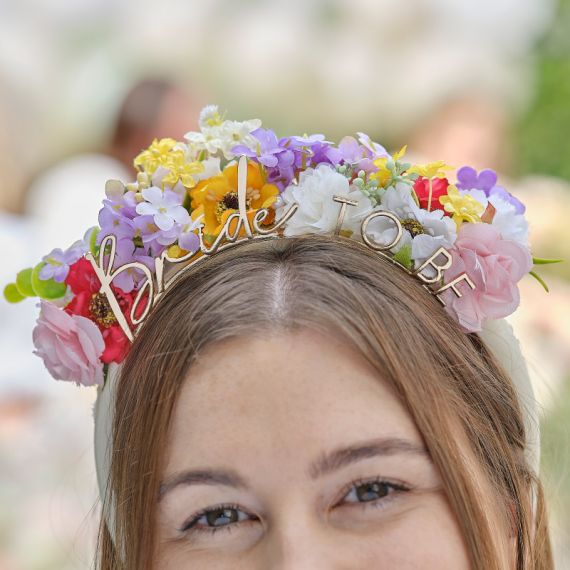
(444, 377)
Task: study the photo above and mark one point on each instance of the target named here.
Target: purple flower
(164, 206)
(58, 261)
(520, 208)
(116, 216)
(126, 252)
(309, 150)
(284, 172)
(153, 238)
(351, 152)
(268, 148)
(376, 150)
(189, 241)
(468, 179)
(271, 153)
(486, 180)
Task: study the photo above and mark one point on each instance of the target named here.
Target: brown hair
(444, 377)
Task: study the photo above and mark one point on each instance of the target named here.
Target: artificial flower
(317, 211)
(58, 261)
(267, 149)
(462, 207)
(218, 136)
(349, 151)
(71, 346)
(216, 199)
(308, 150)
(423, 232)
(486, 180)
(179, 169)
(385, 167)
(429, 191)
(432, 170)
(165, 206)
(155, 155)
(495, 265)
(507, 219)
(90, 303)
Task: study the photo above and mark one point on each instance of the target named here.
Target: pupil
(371, 491)
(220, 517)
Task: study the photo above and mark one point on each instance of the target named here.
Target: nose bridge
(300, 540)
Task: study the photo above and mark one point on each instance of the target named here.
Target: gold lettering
(431, 262)
(105, 274)
(374, 245)
(344, 201)
(453, 286)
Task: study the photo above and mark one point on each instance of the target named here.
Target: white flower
(424, 231)
(317, 211)
(211, 168)
(217, 135)
(511, 225)
(210, 117)
(165, 207)
(439, 231)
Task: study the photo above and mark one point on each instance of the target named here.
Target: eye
(215, 519)
(225, 517)
(375, 492)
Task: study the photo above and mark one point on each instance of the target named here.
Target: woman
(319, 375)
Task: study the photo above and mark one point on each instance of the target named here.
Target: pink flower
(70, 346)
(495, 265)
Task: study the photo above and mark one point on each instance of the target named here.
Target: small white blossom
(219, 136)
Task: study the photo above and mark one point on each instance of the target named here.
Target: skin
(266, 409)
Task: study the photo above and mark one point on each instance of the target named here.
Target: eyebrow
(327, 463)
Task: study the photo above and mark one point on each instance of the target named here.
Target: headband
(457, 231)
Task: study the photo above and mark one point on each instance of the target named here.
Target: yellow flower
(217, 198)
(383, 175)
(431, 170)
(464, 208)
(164, 153)
(181, 170)
(155, 155)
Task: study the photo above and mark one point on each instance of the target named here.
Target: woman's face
(288, 452)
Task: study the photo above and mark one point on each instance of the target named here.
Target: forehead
(254, 398)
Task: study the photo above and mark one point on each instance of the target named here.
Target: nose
(303, 542)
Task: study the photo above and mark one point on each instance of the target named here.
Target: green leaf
(541, 261)
(540, 280)
(46, 289)
(404, 256)
(93, 247)
(24, 283)
(12, 294)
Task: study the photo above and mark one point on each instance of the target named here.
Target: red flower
(438, 188)
(90, 303)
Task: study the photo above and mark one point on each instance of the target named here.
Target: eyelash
(394, 488)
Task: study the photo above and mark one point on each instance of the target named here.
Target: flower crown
(235, 181)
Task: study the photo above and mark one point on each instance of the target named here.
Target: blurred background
(85, 85)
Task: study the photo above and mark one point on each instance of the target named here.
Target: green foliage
(404, 256)
(11, 293)
(24, 283)
(541, 138)
(46, 289)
